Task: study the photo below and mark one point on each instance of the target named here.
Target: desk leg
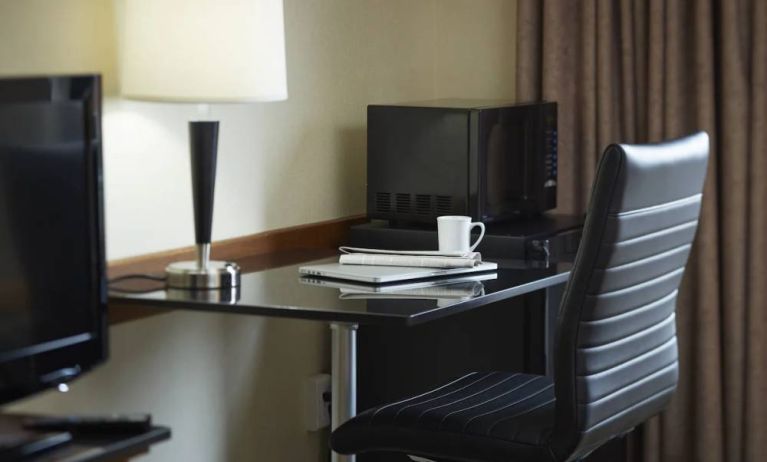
(553, 300)
(344, 378)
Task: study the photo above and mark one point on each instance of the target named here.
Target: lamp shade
(203, 51)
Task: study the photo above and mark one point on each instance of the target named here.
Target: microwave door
(507, 165)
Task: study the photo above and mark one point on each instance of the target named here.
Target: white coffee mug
(454, 233)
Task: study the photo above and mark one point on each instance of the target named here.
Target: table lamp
(203, 51)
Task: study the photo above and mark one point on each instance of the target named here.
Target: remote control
(117, 423)
(17, 446)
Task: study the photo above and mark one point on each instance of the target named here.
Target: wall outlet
(316, 402)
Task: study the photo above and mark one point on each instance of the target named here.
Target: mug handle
(481, 234)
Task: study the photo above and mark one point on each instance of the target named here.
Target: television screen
(52, 272)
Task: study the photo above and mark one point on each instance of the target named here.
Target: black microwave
(491, 161)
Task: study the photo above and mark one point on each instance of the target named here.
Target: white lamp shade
(203, 51)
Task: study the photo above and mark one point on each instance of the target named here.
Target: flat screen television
(52, 271)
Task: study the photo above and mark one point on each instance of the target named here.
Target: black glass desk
(282, 292)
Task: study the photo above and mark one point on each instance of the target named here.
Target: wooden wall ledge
(255, 252)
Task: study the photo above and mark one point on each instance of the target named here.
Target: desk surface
(282, 292)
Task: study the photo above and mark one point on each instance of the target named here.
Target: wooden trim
(252, 252)
(311, 236)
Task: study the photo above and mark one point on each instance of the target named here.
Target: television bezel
(36, 371)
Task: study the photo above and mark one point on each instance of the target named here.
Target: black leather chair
(616, 349)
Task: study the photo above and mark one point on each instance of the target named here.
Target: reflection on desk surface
(459, 291)
(282, 292)
(442, 290)
(394, 286)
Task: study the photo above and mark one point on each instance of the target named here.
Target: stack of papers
(411, 258)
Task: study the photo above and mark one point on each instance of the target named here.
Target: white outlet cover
(316, 414)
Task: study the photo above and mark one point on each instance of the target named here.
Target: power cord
(128, 277)
(125, 277)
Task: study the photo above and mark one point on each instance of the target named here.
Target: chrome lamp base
(202, 274)
(216, 275)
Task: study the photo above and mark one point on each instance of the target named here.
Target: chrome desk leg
(344, 378)
(553, 300)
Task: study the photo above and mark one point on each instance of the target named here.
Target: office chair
(615, 357)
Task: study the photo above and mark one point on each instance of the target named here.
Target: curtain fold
(647, 70)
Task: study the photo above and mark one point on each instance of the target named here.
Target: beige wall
(230, 386)
(475, 55)
(66, 36)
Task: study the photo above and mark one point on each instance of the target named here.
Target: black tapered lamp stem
(203, 141)
(203, 273)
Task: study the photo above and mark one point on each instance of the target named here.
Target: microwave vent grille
(403, 202)
(383, 202)
(444, 205)
(423, 204)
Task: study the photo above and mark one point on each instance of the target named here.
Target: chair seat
(493, 416)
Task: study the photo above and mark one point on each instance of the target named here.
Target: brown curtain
(648, 70)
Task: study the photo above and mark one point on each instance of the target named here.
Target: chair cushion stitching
(442, 421)
(625, 329)
(396, 415)
(524, 398)
(657, 326)
(640, 261)
(429, 392)
(516, 432)
(648, 282)
(528, 411)
(634, 382)
(653, 234)
(661, 206)
(463, 398)
(638, 358)
(618, 414)
(523, 412)
(632, 311)
(672, 337)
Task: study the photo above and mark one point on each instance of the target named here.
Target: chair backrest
(616, 350)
